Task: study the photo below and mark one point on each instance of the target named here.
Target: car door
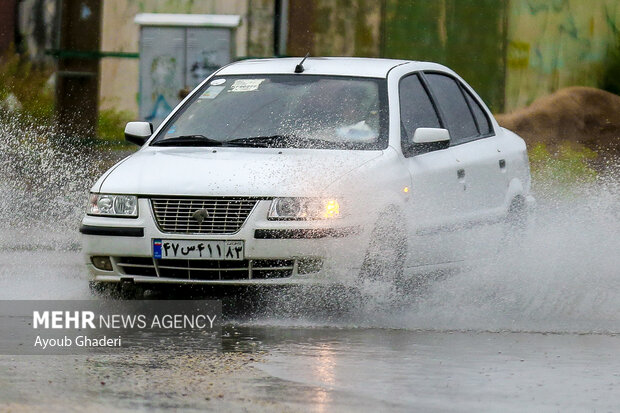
(435, 192)
(480, 167)
(495, 165)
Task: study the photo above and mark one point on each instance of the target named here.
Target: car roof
(336, 66)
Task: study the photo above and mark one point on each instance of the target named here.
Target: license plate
(198, 250)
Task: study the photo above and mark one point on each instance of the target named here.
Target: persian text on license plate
(197, 250)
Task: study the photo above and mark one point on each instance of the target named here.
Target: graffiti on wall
(557, 43)
(120, 33)
(162, 76)
(175, 60)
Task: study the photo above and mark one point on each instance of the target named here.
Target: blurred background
(88, 66)
(73, 72)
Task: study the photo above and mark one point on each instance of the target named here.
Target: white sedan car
(278, 171)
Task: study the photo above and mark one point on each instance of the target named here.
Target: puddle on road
(439, 371)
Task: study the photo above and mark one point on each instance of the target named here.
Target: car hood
(231, 171)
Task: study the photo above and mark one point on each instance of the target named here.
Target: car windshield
(284, 111)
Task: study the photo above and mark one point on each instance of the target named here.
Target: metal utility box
(177, 52)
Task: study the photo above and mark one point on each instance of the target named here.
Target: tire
(104, 289)
(385, 256)
(515, 223)
(115, 291)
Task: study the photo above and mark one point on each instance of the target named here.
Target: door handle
(502, 164)
(460, 174)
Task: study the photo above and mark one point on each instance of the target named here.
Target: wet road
(454, 371)
(303, 362)
(535, 330)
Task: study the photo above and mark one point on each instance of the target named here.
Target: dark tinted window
(416, 108)
(458, 118)
(483, 122)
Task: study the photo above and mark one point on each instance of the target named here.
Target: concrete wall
(557, 43)
(260, 28)
(511, 51)
(338, 28)
(466, 35)
(119, 76)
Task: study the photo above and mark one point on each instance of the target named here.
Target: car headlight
(113, 205)
(304, 208)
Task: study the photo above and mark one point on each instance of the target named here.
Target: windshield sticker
(218, 82)
(246, 85)
(212, 92)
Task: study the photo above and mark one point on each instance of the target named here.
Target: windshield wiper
(188, 140)
(282, 141)
(262, 141)
(274, 141)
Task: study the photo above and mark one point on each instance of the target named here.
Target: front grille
(206, 269)
(224, 215)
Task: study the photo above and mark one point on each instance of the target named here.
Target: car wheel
(385, 256)
(104, 289)
(115, 291)
(516, 222)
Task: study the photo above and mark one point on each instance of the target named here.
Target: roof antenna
(300, 67)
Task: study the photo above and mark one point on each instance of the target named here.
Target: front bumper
(276, 252)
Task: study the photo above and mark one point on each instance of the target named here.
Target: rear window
(458, 117)
(481, 118)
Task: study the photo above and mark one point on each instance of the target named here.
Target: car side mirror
(429, 139)
(138, 132)
(431, 135)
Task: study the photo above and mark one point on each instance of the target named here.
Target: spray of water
(44, 179)
(44, 183)
(563, 277)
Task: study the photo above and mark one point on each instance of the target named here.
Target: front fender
(371, 188)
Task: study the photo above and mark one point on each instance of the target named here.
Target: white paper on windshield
(245, 85)
(212, 92)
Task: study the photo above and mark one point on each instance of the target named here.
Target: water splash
(44, 181)
(564, 277)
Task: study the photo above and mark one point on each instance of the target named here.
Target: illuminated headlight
(113, 205)
(304, 208)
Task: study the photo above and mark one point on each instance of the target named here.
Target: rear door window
(481, 118)
(457, 116)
